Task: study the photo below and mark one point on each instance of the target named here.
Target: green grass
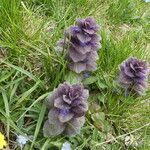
(30, 69)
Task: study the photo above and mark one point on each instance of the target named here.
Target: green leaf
(73, 78)
(46, 144)
(98, 117)
(101, 85)
(101, 98)
(102, 116)
(98, 120)
(35, 102)
(5, 99)
(90, 80)
(6, 75)
(94, 107)
(107, 127)
(39, 123)
(21, 70)
(26, 94)
(30, 75)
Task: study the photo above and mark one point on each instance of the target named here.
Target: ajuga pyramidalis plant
(67, 107)
(134, 75)
(82, 42)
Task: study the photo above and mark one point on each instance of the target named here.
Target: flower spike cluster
(68, 104)
(134, 75)
(82, 43)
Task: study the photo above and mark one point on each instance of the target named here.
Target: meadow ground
(30, 68)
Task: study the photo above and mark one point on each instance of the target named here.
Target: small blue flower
(147, 1)
(66, 146)
(21, 140)
(76, 29)
(86, 74)
(64, 111)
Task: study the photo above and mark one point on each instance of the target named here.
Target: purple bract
(134, 75)
(82, 43)
(68, 104)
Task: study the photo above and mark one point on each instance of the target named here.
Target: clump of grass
(121, 11)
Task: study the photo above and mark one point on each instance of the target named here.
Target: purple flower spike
(82, 42)
(68, 105)
(134, 75)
